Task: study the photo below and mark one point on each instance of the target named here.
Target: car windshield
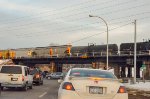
(33, 71)
(11, 70)
(91, 73)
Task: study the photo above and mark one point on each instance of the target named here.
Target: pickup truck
(15, 76)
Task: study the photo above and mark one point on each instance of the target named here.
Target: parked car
(15, 76)
(37, 76)
(81, 83)
(55, 75)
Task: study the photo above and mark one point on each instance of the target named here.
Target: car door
(28, 77)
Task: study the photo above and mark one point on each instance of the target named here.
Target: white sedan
(83, 83)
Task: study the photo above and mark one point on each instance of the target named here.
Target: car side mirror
(60, 81)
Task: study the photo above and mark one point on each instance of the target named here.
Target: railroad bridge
(118, 62)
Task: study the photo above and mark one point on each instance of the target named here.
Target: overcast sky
(38, 23)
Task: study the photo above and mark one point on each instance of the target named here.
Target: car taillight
(22, 78)
(122, 89)
(68, 86)
(37, 76)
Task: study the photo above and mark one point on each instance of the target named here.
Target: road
(47, 91)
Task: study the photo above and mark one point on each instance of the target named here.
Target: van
(15, 76)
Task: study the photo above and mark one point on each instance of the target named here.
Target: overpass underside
(123, 65)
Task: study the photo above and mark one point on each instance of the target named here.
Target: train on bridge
(77, 51)
(120, 57)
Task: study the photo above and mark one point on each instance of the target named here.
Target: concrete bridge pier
(123, 70)
(129, 75)
(138, 72)
(58, 67)
(117, 71)
(147, 72)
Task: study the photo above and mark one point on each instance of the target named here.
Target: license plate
(95, 90)
(14, 79)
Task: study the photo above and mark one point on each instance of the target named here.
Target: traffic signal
(1, 55)
(68, 50)
(51, 51)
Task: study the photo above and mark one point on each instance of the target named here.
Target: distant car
(15, 76)
(37, 76)
(81, 83)
(55, 75)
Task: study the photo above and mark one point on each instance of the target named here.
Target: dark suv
(37, 76)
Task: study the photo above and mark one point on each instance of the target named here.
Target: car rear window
(11, 70)
(58, 73)
(91, 73)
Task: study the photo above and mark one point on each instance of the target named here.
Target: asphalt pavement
(49, 91)
(46, 91)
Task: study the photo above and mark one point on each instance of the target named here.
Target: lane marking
(42, 94)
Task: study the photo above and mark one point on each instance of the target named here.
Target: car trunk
(11, 75)
(11, 78)
(89, 88)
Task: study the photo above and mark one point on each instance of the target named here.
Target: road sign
(143, 66)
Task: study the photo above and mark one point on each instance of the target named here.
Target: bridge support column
(137, 72)
(147, 74)
(117, 71)
(52, 66)
(148, 71)
(123, 72)
(59, 67)
(129, 72)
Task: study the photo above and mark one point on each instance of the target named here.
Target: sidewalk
(140, 88)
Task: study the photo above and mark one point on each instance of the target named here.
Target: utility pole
(135, 53)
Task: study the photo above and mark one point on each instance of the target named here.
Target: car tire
(42, 82)
(38, 83)
(25, 88)
(30, 87)
(2, 88)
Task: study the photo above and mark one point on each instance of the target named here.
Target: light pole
(107, 37)
(135, 52)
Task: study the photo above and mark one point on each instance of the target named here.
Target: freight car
(94, 50)
(128, 48)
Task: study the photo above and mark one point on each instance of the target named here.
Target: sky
(39, 23)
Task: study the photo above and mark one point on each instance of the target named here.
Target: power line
(101, 14)
(102, 8)
(45, 34)
(98, 33)
(85, 25)
(71, 6)
(105, 31)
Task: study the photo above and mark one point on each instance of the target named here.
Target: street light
(107, 36)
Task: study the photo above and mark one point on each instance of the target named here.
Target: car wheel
(25, 88)
(38, 83)
(30, 87)
(2, 88)
(42, 82)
